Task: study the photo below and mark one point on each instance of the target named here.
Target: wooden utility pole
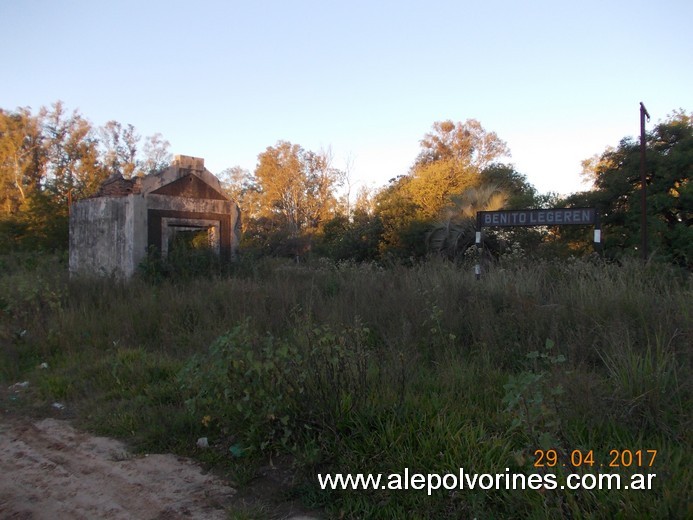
(643, 183)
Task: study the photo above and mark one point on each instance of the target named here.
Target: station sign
(537, 217)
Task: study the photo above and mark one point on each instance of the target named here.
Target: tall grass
(359, 368)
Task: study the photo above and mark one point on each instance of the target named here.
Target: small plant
(248, 379)
(532, 398)
(338, 364)
(438, 335)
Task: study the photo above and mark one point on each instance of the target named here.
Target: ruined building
(111, 232)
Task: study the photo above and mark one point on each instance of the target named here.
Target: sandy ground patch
(49, 470)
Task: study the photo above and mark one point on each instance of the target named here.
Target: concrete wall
(108, 236)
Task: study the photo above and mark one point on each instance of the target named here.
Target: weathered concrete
(110, 233)
(107, 235)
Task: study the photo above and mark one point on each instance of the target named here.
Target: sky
(558, 81)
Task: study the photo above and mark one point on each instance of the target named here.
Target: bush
(281, 392)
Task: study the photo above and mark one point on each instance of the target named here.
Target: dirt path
(49, 470)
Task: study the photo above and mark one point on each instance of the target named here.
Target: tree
(433, 184)
(454, 159)
(296, 187)
(72, 165)
(119, 148)
(120, 153)
(520, 193)
(21, 158)
(451, 160)
(365, 201)
(53, 157)
(323, 180)
(355, 233)
(283, 184)
(156, 154)
(466, 144)
(616, 192)
(239, 184)
(38, 157)
(403, 230)
(356, 238)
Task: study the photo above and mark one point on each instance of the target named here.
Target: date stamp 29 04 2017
(585, 458)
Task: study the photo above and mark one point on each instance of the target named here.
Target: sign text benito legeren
(537, 217)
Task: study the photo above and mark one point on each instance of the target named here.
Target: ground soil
(50, 470)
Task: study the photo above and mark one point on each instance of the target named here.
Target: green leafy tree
(356, 238)
(616, 192)
(520, 193)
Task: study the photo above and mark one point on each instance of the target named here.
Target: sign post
(643, 182)
(536, 217)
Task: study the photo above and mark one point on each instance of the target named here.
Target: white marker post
(477, 267)
(598, 235)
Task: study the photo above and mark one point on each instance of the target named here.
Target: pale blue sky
(557, 81)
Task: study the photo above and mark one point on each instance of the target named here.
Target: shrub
(275, 393)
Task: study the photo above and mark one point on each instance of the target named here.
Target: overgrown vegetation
(359, 368)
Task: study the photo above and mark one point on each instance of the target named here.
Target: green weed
(533, 398)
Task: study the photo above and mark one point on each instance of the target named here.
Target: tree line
(297, 203)
(52, 157)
